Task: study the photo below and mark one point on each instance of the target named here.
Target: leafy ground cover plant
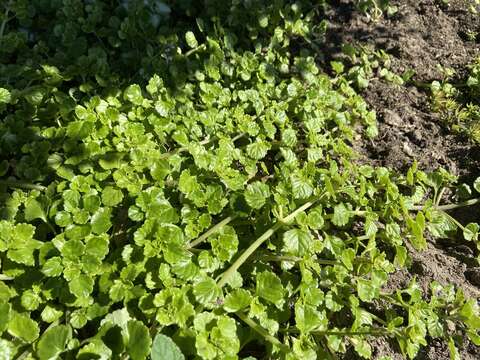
(458, 101)
(203, 201)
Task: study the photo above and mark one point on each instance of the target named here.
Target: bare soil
(420, 36)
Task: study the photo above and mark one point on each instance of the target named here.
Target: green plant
(376, 8)
(201, 198)
(458, 102)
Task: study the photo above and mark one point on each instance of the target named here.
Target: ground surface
(421, 35)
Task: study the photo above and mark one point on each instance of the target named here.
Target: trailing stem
(372, 332)
(260, 330)
(451, 206)
(264, 237)
(211, 231)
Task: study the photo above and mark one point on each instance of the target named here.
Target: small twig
(5, 277)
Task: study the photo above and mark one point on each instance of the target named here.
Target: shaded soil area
(420, 36)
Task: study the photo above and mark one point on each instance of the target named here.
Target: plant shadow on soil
(421, 35)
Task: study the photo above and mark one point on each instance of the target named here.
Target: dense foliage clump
(178, 181)
(457, 100)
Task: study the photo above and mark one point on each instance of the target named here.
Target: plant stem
(22, 185)
(260, 330)
(439, 196)
(5, 277)
(451, 206)
(211, 231)
(4, 22)
(194, 50)
(372, 332)
(268, 257)
(264, 237)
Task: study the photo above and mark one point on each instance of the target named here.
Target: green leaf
(111, 160)
(111, 196)
(164, 348)
(297, 242)
(470, 232)
(50, 314)
(454, 354)
(101, 221)
(256, 194)
(5, 96)
(362, 347)
(4, 316)
(97, 246)
(257, 150)
(341, 215)
(33, 210)
(417, 228)
(315, 218)
(81, 286)
(139, 341)
(53, 342)
(440, 224)
(7, 350)
(23, 327)
(52, 267)
(237, 300)
(270, 288)
(366, 290)
(191, 40)
(307, 318)
(301, 187)
(133, 93)
(207, 292)
(476, 184)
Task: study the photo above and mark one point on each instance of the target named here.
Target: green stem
(451, 206)
(371, 332)
(211, 231)
(439, 196)
(257, 328)
(22, 185)
(264, 237)
(5, 277)
(4, 22)
(268, 257)
(194, 50)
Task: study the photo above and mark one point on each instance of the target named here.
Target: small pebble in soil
(408, 150)
(392, 118)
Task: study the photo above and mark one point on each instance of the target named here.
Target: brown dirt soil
(421, 35)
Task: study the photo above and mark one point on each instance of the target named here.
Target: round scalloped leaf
(23, 327)
(139, 340)
(53, 342)
(164, 348)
